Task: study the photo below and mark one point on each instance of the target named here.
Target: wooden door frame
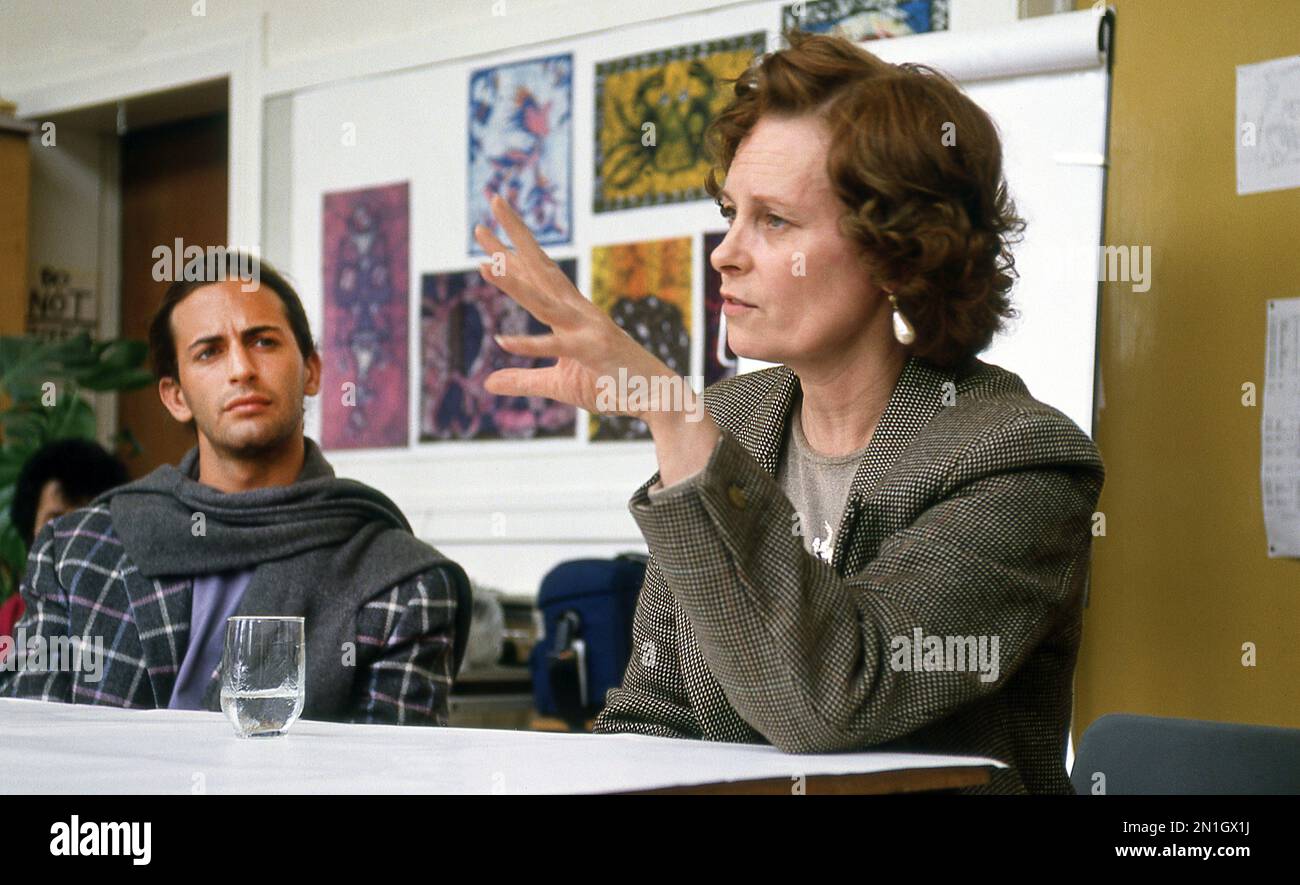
(160, 63)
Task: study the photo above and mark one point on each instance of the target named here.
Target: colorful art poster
(859, 20)
(719, 360)
(521, 146)
(459, 314)
(651, 113)
(646, 288)
(366, 292)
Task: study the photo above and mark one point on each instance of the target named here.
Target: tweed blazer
(969, 516)
(81, 582)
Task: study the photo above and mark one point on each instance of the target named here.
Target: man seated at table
(252, 522)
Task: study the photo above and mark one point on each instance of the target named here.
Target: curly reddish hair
(918, 168)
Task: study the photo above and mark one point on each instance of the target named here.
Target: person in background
(253, 521)
(58, 478)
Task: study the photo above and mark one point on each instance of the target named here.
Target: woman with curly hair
(882, 542)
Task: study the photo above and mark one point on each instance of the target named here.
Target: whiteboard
(1046, 84)
(510, 510)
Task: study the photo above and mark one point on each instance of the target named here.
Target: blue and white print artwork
(521, 146)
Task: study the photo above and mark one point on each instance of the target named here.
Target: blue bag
(587, 607)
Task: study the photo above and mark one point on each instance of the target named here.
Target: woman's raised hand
(585, 342)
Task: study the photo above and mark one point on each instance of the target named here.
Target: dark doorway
(174, 186)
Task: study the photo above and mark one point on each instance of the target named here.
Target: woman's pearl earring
(903, 330)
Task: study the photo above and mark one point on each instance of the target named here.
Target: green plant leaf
(123, 353)
(25, 426)
(71, 417)
(27, 363)
(114, 378)
(12, 459)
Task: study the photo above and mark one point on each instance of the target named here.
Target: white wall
(506, 510)
(74, 221)
(503, 512)
(44, 41)
(67, 203)
(509, 510)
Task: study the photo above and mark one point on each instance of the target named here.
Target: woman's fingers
(528, 298)
(522, 382)
(490, 243)
(543, 346)
(535, 281)
(520, 235)
(525, 251)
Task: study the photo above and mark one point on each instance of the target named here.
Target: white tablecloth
(65, 748)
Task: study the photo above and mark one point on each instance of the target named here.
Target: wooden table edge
(903, 780)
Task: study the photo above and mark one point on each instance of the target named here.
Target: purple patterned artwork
(364, 377)
(459, 314)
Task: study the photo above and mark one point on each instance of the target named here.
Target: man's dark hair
(83, 470)
(214, 267)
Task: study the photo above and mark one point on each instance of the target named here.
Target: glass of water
(263, 674)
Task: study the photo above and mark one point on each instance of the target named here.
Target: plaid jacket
(969, 516)
(80, 581)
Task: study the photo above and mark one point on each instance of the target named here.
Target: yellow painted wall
(1182, 578)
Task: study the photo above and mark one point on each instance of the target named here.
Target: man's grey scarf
(320, 547)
